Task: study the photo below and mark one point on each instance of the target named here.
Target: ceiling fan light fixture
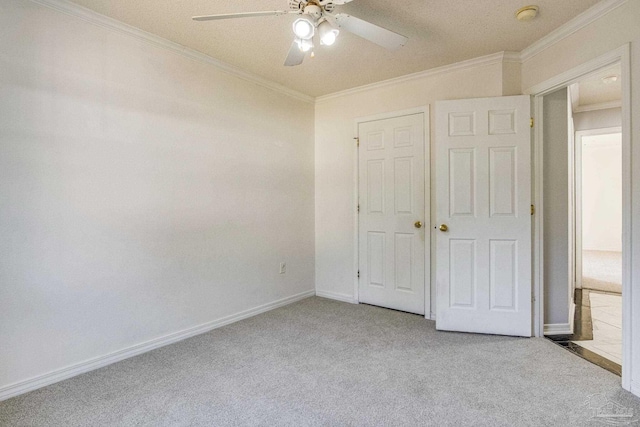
(317, 16)
(327, 33)
(303, 29)
(527, 13)
(305, 45)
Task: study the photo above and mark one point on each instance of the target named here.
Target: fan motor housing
(325, 5)
(313, 11)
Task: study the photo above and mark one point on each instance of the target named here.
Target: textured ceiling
(592, 90)
(440, 32)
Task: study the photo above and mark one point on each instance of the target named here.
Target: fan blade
(367, 30)
(341, 2)
(295, 56)
(243, 15)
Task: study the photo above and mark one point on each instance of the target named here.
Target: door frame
(424, 110)
(620, 55)
(576, 224)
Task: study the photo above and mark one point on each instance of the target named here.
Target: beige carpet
(602, 271)
(325, 363)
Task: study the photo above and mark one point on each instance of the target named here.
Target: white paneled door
(392, 220)
(483, 214)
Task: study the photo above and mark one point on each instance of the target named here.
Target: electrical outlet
(283, 267)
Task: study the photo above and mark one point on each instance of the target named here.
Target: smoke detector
(527, 13)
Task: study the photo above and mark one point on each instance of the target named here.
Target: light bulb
(305, 45)
(303, 29)
(327, 33)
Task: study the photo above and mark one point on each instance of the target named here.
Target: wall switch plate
(283, 267)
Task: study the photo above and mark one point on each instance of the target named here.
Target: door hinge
(357, 141)
(533, 210)
(531, 122)
(358, 274)
(358, 208)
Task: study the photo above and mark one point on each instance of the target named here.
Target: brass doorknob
(444, 227)
(418, 224)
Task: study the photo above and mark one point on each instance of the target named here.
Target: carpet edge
(34, 383)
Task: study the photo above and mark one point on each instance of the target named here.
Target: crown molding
(511, 57)
(575, 74)
(492, 59)
(598, 106)
(585, 18)
(88, 15)
(566, 30)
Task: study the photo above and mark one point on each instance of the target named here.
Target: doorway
(598, 230)
(593, 233)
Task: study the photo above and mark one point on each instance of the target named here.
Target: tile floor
(606, 315)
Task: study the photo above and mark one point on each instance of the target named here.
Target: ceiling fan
(318, 17)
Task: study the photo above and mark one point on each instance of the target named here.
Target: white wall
(335, 156)
(605, 34)
(556, 208)
(142, 192)
(134, 193)
(597, 119)
(602, 193)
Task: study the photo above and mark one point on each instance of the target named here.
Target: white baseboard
(336, 296)
(31, 384)
(558, 329)
(572, 316)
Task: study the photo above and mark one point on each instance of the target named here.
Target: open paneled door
(483, 231)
